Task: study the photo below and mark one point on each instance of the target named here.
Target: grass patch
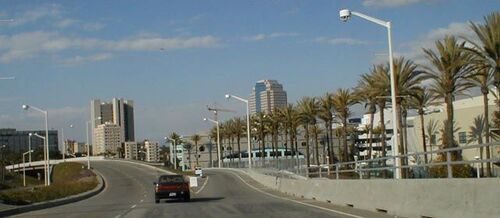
(68, 179)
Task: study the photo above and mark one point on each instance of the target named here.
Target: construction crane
(216, 110)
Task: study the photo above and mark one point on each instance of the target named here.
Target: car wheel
(157, 201)
(187, 198)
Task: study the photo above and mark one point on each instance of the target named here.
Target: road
(129, 193)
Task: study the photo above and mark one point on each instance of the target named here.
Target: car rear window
(171, 179)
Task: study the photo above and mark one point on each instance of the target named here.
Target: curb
(58, 202)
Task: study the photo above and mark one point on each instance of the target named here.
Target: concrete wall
(408, 198)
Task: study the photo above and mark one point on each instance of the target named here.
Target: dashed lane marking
(133, 206)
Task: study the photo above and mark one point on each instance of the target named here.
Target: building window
(462, 137)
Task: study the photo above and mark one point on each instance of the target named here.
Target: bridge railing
(443, 163)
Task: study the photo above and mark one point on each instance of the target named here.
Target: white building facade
(152, 151)
(131, 150)
(107, 139)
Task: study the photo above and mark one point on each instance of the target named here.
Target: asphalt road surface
(129, 193)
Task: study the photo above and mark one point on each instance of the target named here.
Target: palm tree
(259, 123)
(487, 62)
(188, 147)
(367, 92)
(273, 127)
(326, 114)
(477, 132)
(238, 131)
(432, 130)
(342, 100)
(291, 121)
(450, 73)
(308, 109)
(196, 138)
(420, 100)
(315, 130)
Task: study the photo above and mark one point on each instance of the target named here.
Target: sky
(175, 57)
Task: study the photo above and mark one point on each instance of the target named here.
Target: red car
(172, 187)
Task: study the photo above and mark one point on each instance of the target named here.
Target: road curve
(129, 193)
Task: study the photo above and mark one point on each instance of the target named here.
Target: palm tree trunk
(196, 152)
(316, 146)
(384, 144)
(487, 130)
(344, 135)
(238, 139)
(306, 127)
(286, 142)
(332, 152)
(370, 135)
(449, 112)
(422, 128)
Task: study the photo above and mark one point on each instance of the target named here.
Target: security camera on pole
(345, 15)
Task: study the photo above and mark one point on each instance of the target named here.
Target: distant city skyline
(175, 57)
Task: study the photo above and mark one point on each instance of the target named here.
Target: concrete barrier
(57, 202)
(405, 197)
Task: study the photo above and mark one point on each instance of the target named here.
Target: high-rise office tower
(119, 112)
(267, 95)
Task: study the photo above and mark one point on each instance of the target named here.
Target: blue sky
(175, 57)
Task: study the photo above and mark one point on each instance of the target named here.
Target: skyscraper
(267, 95)
(119, 112)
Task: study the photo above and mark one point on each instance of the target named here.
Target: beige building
(131, 151)
(465, 111)
(107, 138)
(267, 95)
(152, 151)
(76, 147)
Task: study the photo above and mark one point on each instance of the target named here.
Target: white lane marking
(203, 186)
(133, 206)
(142, 200)
(117, 216)
(298, 202)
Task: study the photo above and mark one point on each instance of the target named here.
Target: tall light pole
(29, 144)
(7, 78)
(345, 15)
(249, 149)
(47, 150)
(88, 144)
(47, 180)
(218, 139)
(24, 166)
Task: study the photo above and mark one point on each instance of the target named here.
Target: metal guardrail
(381, 167)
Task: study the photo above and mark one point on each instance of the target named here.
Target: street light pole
(345, 15)
(218, 139)
(24, 166)
(29, 144)
(249, 149)
(47, 152)
(44, 140)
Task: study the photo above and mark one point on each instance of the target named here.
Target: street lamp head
(30, 134)
(204, 119)
(26, 107)
(71, 126)
(99, 118)
(345, 15)
(228, 96)
(166, 138)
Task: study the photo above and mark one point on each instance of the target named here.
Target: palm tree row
(453, 67)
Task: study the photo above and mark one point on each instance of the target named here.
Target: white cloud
(428, 40)
(93, 26)
(260, 37)
(65, 23)
(85, 59)
(340, 41)
(390, 3)
(30, 44)
(36, 14)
